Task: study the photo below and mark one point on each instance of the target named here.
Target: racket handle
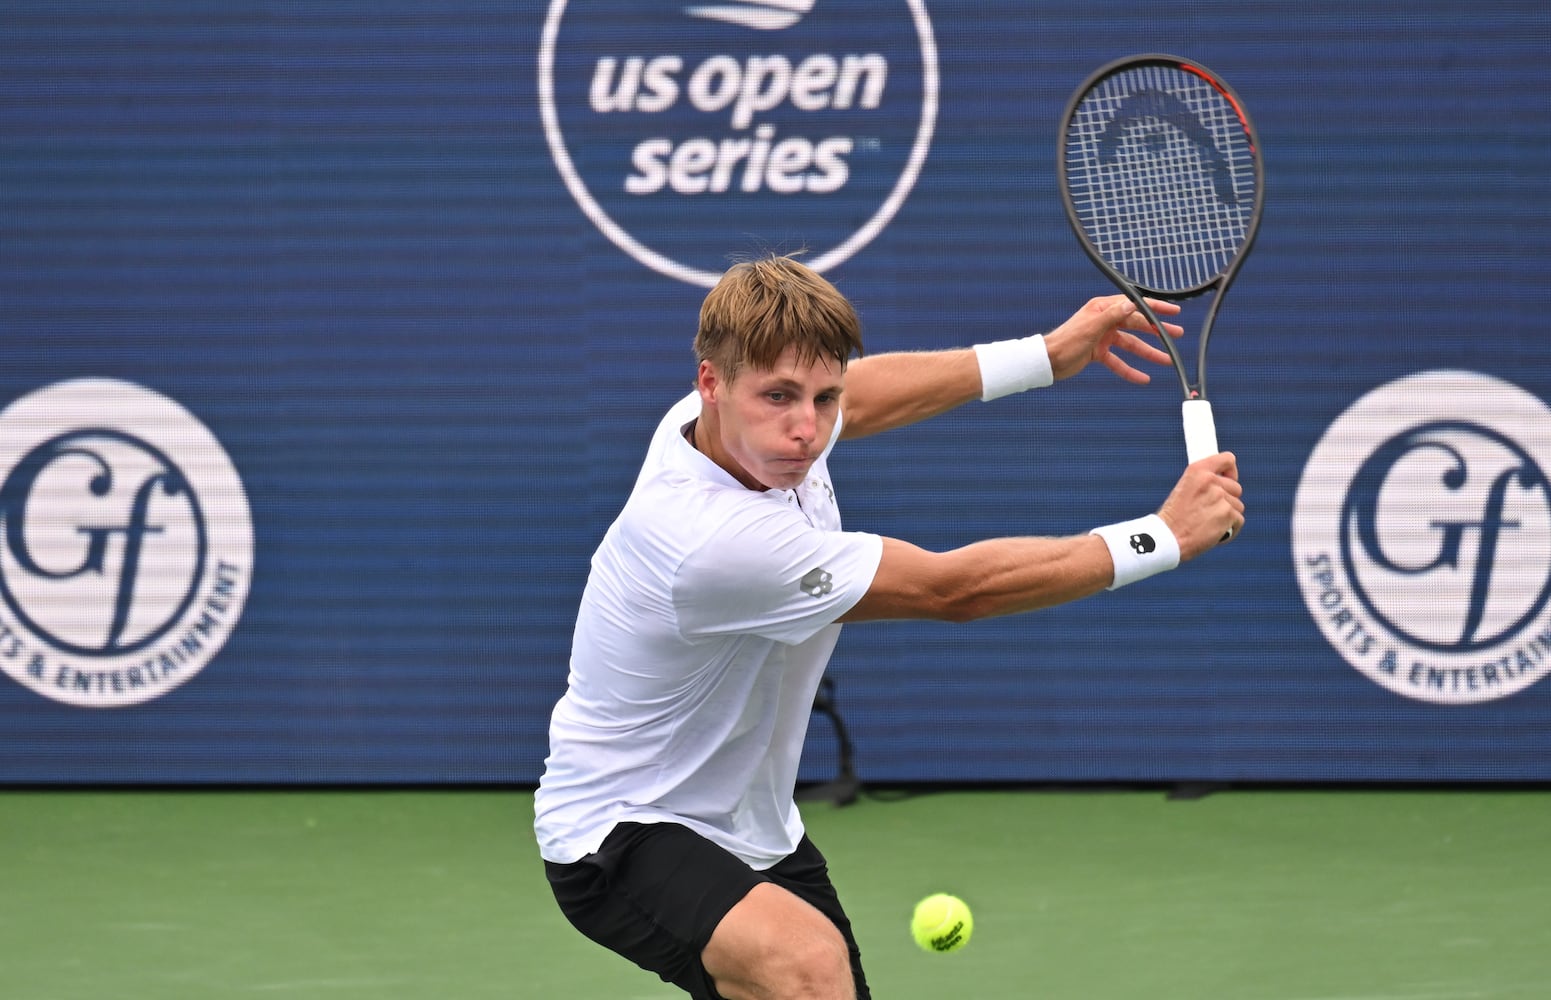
(1200, 430)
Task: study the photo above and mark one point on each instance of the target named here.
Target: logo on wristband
(1142, 544)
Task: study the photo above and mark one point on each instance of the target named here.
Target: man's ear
(708, 381)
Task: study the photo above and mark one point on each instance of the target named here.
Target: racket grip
(1200, 429)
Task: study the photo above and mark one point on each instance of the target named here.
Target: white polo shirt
(704, 630)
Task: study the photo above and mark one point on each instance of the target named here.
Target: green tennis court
(1077, 895)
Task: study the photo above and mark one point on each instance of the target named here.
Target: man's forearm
(885, 391)
(894, 390)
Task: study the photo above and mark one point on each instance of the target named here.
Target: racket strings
(1161, 173)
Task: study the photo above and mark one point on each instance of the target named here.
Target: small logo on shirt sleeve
(817, 582)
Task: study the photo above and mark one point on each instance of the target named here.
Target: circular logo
(681, 130)
(125, 543)
(1422, 537)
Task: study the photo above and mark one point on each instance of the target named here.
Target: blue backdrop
(429, 274)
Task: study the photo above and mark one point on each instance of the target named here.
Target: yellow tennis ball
(942, 923)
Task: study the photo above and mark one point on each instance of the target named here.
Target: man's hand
(1206, 506)
(1099, 328)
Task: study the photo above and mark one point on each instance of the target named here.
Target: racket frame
(1192, 390)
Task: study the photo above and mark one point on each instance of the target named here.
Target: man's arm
(886, 391)
(1003, 576)
(1000, 576)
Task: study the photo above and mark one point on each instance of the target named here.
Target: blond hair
(761, 307)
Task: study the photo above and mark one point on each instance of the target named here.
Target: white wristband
(1139, 548)
(1009, 366)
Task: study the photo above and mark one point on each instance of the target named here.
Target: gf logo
(125, 543)
(1455, 545)
(1422, 537)
(114, 482)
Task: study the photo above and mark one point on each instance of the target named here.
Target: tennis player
(665, 815)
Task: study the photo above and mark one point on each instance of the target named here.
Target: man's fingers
(1142, 349)
(1224, 463)
(1136, 321)
(1116, 364)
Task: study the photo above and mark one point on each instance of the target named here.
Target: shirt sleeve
(768, 572)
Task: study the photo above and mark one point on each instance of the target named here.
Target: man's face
(775, 423)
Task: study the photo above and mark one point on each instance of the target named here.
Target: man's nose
(807, 422)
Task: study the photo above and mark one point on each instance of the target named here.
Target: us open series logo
(125, 543)
(1422, 537)
(683, 131)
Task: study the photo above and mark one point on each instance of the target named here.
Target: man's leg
(806, 873)
(679, 906)
(774, 945)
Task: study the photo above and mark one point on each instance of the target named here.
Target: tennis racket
(1160, 173)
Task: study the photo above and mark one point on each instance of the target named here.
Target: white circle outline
(672, 268)
(1421, 392)
(171, 425)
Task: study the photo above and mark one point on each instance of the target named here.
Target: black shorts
(654, 892)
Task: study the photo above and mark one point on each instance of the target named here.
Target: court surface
(1077, 895)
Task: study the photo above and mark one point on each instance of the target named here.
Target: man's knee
(811, 965)
(774, 944)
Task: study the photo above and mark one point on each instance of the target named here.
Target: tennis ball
(942, 923)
